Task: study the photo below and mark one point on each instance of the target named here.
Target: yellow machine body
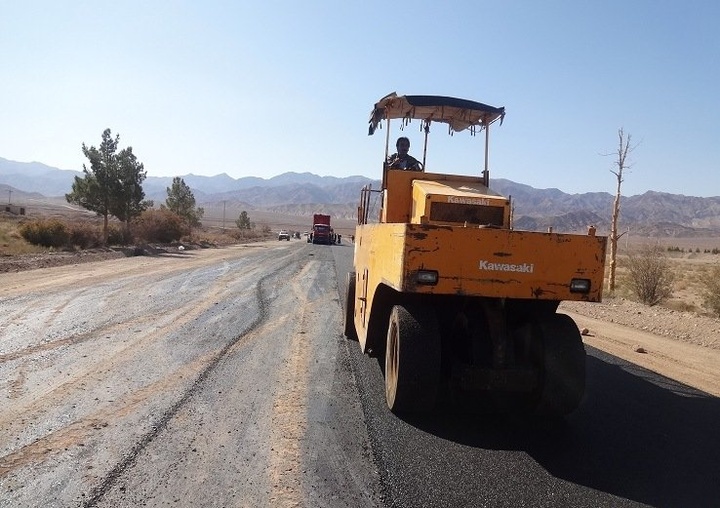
(457, 228)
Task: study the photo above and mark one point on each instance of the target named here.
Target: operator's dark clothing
(408, 162)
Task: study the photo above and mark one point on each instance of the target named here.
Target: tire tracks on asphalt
(90, 371)
(97, 493)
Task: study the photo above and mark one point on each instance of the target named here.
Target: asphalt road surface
(221, 378)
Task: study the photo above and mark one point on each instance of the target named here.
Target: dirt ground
(684, 346)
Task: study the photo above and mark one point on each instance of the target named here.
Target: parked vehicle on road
(321, 230)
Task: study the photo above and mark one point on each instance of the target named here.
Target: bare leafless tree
(620, 166)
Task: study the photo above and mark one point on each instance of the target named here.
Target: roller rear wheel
(350, 331)
(563, 357)
(412, 359)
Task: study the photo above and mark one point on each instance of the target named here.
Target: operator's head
(402, 145)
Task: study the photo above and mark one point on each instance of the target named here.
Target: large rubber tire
(563, 379)
(349, 324)
(412, 359)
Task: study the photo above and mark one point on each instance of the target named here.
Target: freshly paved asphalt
(638, 439)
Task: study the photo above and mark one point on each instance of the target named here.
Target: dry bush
(85, 235)
(248, 234)
(11, 241)
(216, 237)
(45, 232)
(650, 275)
(711, 291)
(162, 226)
(119, 235)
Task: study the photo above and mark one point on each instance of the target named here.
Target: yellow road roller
(460, 307)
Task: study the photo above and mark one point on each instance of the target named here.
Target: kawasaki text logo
(506, 267)
(468, 201)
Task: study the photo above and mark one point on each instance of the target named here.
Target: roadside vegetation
(11, 241)
(112, 185)
(685, 279)
(41, 235)
(112, 188)
(651, 276)
(711, 291)
(181, 202)
(688, 278)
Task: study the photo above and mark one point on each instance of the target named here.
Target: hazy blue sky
(261, 88)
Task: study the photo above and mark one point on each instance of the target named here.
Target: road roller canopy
(459, 114)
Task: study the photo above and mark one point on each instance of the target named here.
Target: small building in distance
(15, 209)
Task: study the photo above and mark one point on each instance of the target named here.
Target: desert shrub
(84, 235)
(47, 233)
(711, 291)
(119, 235)
(650, 275)
(246, 234)
(12, 242)
(215, 237)
(161, 226)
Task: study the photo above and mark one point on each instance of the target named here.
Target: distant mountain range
(653, 214)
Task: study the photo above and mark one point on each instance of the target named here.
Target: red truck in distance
(321, 231)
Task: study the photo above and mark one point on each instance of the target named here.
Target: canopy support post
(426, 128)
(387, 145)
(486, 172)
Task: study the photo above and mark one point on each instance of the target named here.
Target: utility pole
(9, 196)
(224, 215)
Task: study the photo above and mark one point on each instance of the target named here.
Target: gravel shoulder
(682, 346)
